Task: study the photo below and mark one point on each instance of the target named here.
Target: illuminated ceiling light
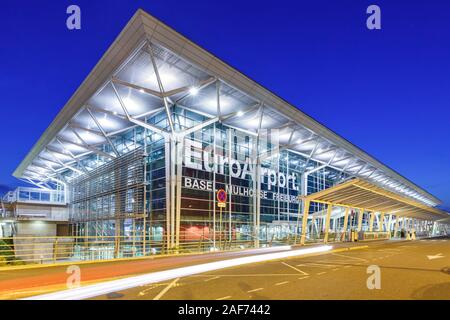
(253, 122)
(60, 156)
(85, 135)
(166, 78)
(131, 104)
(193, 91)
(240, 114)
(105, 122)
(141, 91)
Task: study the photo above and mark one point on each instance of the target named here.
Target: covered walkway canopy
(359, 194)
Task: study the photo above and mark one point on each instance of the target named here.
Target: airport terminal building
(160, 125)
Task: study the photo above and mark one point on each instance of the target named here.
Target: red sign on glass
(221, 196)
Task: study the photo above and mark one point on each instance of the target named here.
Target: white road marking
(254, 290)
(318, 265)
(292, 267)
(163, 291)
(436, 256)
(145, 291)
(223, 298)
(281, 283)
(350, 257)
(213, 278)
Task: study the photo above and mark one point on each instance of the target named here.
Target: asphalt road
(408, 270)
(20, 283)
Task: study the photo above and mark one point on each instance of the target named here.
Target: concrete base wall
(35, 229)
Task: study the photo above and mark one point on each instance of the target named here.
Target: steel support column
(178, 180)
(344, 228)
(305, 221)
(397, 221)
(360, 219)
(327, 222)
(257, 189)
(172, 190)
(168, 192)
(381, 222)
(372, 218)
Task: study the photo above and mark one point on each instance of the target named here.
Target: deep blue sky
(386, 91)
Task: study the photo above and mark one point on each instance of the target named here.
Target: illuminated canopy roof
(150, 67)
(360, 194)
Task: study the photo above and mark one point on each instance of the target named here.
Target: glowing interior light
(60, 156)
(131, 104)
(106, 123)
(193, 91)
(254, 123)
(240, 114)
(128, 101)
(167, 78)
(141, 90)
(74, 148)
(95, 290)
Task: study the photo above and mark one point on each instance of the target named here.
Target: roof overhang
(321, 144)
(363, 195)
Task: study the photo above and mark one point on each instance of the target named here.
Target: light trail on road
(131, 282)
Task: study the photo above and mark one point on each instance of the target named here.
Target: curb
(349, 249)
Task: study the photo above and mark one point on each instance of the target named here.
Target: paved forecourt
(408, 269)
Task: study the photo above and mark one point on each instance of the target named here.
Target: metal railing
(53, 249)
(376, 235)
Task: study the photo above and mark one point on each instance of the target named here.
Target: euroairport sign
(207, 161)
(202, 158)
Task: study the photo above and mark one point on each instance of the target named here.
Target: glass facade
(169, 186)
